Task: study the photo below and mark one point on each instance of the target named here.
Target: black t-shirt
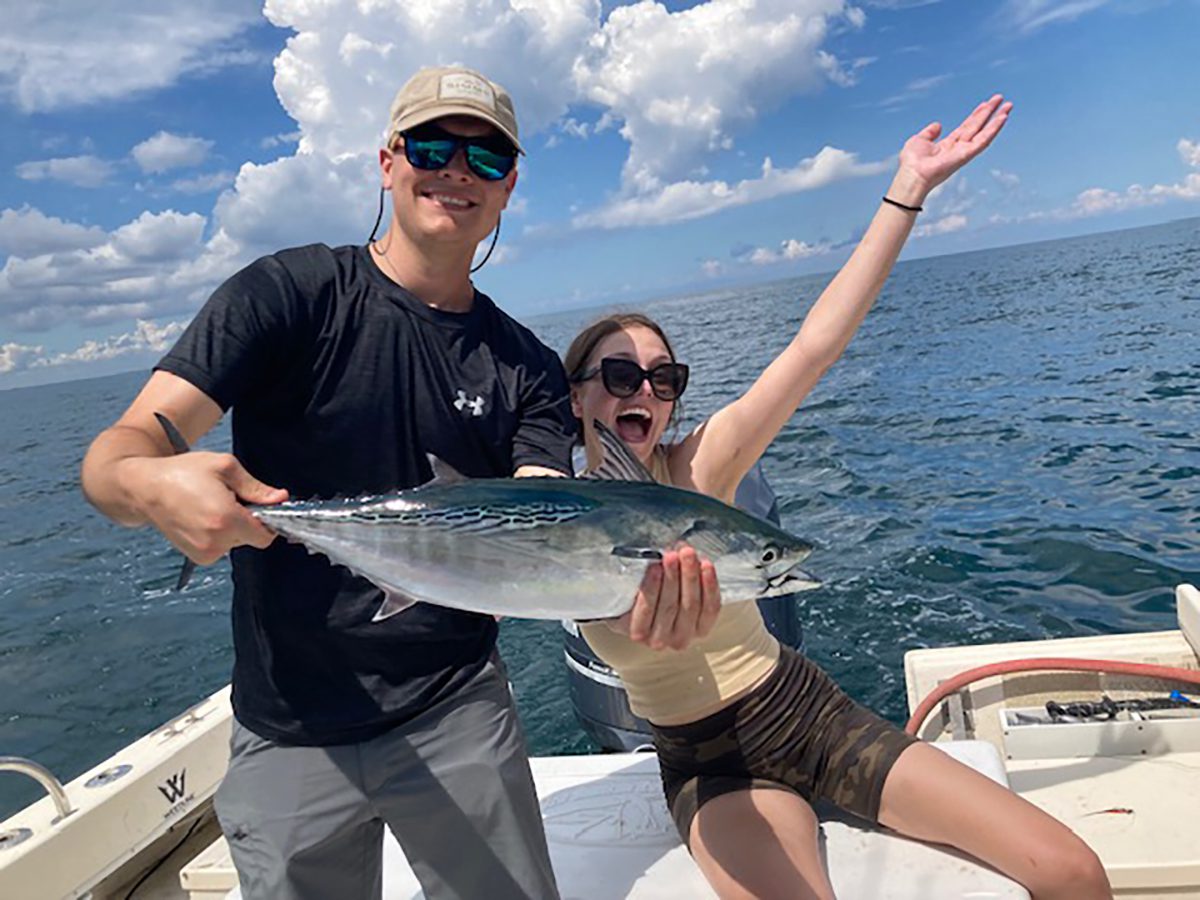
(340, 383)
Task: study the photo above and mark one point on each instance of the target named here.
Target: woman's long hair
(585, 343)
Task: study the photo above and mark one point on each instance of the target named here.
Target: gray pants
(453, 785)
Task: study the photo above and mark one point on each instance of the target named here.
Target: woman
(747, 732)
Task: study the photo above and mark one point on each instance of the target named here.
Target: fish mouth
(793, 581)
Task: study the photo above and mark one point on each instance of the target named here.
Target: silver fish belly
(535, 547)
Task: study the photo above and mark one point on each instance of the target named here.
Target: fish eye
(770, 554)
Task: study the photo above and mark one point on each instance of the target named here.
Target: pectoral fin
(705, 540)
(393, 603)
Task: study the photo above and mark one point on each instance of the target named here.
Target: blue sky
(673, 147)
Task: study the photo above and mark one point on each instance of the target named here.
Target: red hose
(1050, 663)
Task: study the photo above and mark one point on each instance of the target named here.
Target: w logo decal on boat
(173, 789)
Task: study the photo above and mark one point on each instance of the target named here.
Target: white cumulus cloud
(787, 251)
(682, 82)
(278, 140)
(684, 200)
(14, 356)
(944, 225)
(946, 207)
(74, 52)
(144, 269)
(339, 72)
(146, 336)
(1007, 179)
(1189, 152)
(297, 200)
(1098, 200)
(82, 171)
(165, 151)
(158, 237)
(203, 184)
(30, 232)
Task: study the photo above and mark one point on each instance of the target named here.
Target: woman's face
(640, 419)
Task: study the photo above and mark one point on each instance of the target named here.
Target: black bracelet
(903, 206)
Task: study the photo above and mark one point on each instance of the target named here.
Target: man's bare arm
(132, 475)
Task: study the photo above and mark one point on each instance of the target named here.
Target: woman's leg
(759, 844)
(932, 797)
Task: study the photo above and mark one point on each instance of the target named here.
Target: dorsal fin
(443, 472)
(617, 462)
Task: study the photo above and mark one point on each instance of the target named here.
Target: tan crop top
(671, 687)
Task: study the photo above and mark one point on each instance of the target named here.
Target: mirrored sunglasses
(429, 147)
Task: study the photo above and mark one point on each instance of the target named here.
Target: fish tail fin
(180, 445)
(178, 442)
(185, 574)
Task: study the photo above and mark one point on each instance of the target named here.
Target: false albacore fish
(540, 548)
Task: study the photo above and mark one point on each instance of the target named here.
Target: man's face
(451, 204)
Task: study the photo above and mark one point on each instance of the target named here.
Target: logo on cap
(462, 86)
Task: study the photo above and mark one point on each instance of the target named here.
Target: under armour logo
(476, 405)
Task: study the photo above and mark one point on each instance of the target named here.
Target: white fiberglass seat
(611, 838)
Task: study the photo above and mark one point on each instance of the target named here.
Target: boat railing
(42, 776)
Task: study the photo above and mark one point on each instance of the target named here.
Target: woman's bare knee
(760, 845)
(1069, 869)
(932, 797)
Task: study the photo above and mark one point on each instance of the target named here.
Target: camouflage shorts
(796, 731)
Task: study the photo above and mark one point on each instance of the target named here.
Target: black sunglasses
(623, 377)
(429, 147)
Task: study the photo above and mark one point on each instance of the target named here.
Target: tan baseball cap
(452, 91)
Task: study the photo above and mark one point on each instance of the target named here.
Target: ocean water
(1008, 450)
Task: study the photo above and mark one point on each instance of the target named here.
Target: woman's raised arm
(719, 453)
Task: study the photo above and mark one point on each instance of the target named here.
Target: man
(344, 367)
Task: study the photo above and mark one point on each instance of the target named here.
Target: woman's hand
(925, 161)
(677, 603)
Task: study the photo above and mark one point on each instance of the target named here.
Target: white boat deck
(1138, 812)
(611, 838)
